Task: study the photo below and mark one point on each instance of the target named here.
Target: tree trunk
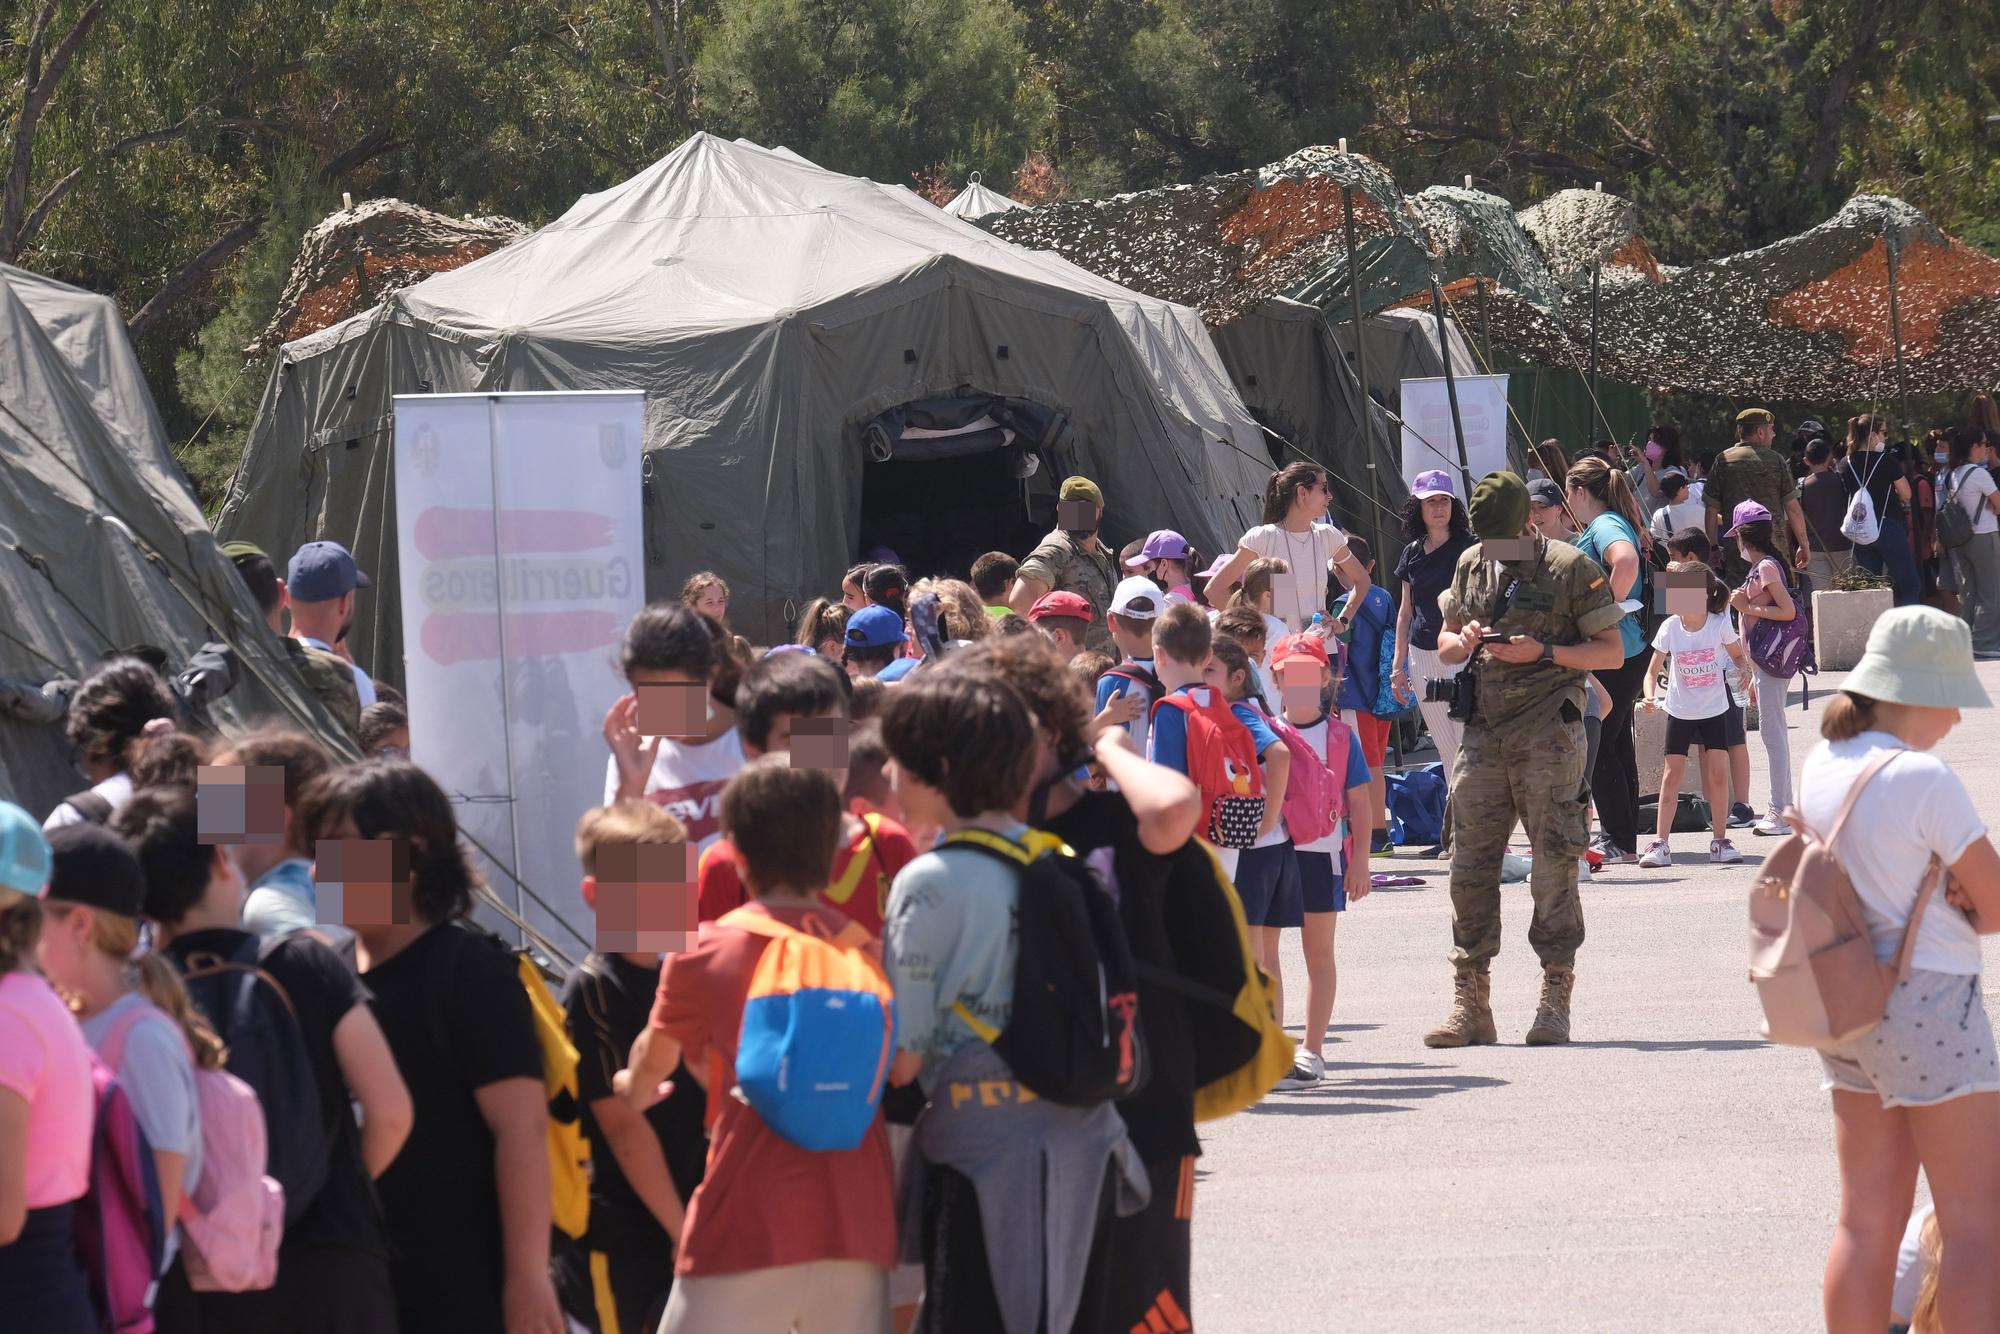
(668, 64)
(193, 273)
(38, 85)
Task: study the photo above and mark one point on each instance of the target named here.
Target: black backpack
(92, 805)
(252, 1014)
(1074, 1035)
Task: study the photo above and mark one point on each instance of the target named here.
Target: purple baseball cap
(1746, 511)
(1436, 482)
(1161, 544)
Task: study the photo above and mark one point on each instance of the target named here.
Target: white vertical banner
(518, 532)
(1428, 441)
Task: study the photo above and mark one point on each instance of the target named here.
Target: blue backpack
(1416, 806)
(819, 1032)
(1385, 704)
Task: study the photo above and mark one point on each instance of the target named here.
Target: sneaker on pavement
(1722, 850)
(1307, 1071)
(1617, 856)
(1741, 816)
(1659, 853)
(1771, 826)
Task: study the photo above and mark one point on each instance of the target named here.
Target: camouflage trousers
(1537, 779)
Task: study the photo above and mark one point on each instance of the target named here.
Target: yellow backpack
(1241, 1049)
(569, 1151)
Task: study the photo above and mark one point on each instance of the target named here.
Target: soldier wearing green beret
(1532, 616)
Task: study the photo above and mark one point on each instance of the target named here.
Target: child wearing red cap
(1065, 618)
(1305, 676)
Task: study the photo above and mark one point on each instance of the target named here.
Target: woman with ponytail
(137, 1017)
(467, 1202)
(47, 1105)
(1601, 498)
(1296, 500)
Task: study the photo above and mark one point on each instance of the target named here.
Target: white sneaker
(1660, 853)
(1772, 826)
(1307, 1071)
(1722, 850)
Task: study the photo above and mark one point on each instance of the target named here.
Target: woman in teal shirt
(1601, 498)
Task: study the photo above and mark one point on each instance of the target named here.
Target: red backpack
(1222, 761)
(1315, 794)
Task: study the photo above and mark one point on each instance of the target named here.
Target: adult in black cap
(321, 582)
(1529, 617)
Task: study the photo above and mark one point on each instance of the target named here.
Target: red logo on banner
(541, 564)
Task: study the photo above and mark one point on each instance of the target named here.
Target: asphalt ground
(1667, 1171)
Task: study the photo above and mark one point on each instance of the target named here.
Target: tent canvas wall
(770, 309)
(101, 545)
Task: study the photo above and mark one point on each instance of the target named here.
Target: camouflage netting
(1807, 317)
(353, 258)
(1229, 243)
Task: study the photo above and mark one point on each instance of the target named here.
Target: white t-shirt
(1297, 595)
(687, 781)
(1970, 484)
(1670, 519)
(1696, 687)
(116, 789)
(1915, 807)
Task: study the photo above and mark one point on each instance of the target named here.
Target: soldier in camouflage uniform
(1073, 559)
(1522, 757)
(1752, 470)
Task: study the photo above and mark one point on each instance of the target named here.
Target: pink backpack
(237, 1216)
(121, 1228)
(1315, 798)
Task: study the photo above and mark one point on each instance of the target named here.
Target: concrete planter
(1841, 622)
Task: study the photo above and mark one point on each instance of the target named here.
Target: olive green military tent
(101, 545)
(829, 365)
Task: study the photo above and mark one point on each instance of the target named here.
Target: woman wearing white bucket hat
(1922, 1089)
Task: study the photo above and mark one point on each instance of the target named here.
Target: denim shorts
(1319, 888)
(1267, 881)
(1934, 1044)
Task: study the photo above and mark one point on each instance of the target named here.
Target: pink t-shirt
(44, 1058)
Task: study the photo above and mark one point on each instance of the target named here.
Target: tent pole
(1596, 413)
(1896, 325)
(1450, 381)
(1361, 364)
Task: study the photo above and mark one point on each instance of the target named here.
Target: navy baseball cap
(321, 572)
(874, 627)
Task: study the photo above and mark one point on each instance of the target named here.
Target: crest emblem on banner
(424, 453)
(611, 444)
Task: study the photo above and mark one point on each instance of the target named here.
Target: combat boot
(1470, 1023)
(1551, 1026)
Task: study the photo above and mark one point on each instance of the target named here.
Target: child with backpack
(137, 1018)
(1135, 606)
(298, 1031)
(1195, 733)
(778, 1234)
(47, 1092)
(965, 923)
(1267, 871)
(1368, 700)
(796, 704)
(644, 1167)
(1695, 639)
(1764, 602)
(1332, 774)
(1921, 1087)
(469, 1201)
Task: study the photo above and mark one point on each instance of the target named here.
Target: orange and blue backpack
(819, 1032)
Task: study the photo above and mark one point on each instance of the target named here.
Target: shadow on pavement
(1370, 1093)
(1707, 1044)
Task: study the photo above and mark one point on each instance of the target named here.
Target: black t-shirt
(606, 1003)
(452, 1007)
(1103, 830)
(1879, 473)
(1428, 573)
(343, 1215)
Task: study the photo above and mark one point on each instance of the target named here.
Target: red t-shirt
(765, 1201)
(863, 868)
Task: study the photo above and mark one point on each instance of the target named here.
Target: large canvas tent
(773, 311)
(101, 545)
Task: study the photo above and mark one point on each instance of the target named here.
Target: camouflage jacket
(1560, 597)
(329, 677)
(1749, 472)
(1067, 568)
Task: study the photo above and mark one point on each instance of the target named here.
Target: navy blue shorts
(1267, 880)
(1319, 888)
